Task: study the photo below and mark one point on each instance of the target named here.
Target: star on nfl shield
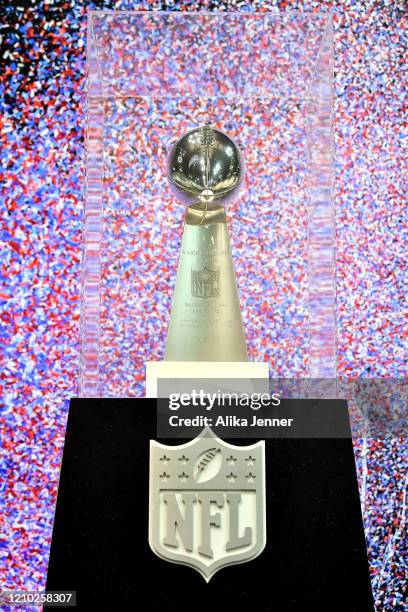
(207, 503)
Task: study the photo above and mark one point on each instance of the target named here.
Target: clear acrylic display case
(266, 80)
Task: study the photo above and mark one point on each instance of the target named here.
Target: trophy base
(239, 370)
(315, 554)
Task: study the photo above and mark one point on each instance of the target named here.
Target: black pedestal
(315, 554)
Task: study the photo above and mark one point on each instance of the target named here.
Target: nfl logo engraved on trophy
(207, 503)
(205, 283)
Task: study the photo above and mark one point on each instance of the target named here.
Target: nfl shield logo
(205, 283)
(207, 503)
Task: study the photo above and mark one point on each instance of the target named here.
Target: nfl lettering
(205, 283)
(207, 502)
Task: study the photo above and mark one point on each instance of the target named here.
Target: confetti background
(257, 94)
(42, 121)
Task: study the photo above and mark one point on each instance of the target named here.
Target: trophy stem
(205, 322)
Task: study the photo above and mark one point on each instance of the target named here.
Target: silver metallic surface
(205, 171)
(205, 166)
(207, 502)
(205, 322)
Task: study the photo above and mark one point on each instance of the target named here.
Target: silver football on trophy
(205, 166)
